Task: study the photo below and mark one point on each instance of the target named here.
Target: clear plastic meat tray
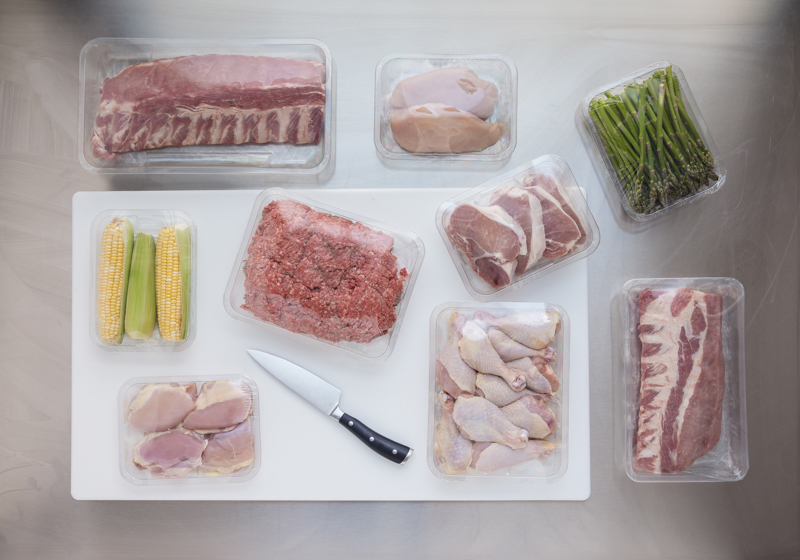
(103, 58)
(495, 68)
(236, 458)
(542, 470)
(551, 172)
(150, 222)
(676, 146)
(728, 459)
(300, 279)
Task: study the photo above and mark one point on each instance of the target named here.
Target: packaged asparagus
(144, 280)
(653, 141)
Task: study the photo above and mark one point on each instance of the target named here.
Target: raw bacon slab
(682, 378)
(210, 99)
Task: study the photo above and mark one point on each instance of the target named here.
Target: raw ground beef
(314, 273)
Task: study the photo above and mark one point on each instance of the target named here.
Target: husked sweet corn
(140, 313)
(173, 269)
(112, 283)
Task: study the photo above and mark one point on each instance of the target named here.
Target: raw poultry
(493, 411)
(186, 433)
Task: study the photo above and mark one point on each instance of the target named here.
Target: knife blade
(326, 397)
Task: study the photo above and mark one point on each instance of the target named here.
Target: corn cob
(140, 314)
(112, 282)
(173, 269)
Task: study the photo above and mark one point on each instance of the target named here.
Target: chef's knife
(325, 397)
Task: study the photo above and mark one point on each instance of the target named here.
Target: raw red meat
(560, 230)
(527, 212)
(682, 378)
(489, 238)
(318, 274)
(551, 186)
(210, 99)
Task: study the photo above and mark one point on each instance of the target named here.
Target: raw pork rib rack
(683, 378)
(210, 99)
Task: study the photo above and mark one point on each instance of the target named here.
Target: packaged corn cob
(145, 277)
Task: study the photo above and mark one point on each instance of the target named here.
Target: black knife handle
(383, 446)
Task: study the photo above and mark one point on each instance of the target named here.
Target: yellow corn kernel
(112, 281)
(172, 278)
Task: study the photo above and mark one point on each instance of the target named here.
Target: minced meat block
(314, 273)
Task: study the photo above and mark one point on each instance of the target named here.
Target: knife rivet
(372, 439)
(394, 451)
(350, 423)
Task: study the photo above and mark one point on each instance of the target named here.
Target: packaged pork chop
(684, 380)
(517, 227)
(323, 274)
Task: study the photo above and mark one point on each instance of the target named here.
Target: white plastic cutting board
(305, 456)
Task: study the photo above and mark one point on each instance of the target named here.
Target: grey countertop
(741, 59)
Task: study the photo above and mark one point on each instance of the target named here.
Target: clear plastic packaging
(543, 470)
(324, 274)
(692, 112)
(150, 222)
(537, 172)
(728, 460)
(106, 57)
(209, 469)
(494, 68)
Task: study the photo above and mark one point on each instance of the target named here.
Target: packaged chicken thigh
(445, 107)
(191, 429)
(517, 227)
(499, 386)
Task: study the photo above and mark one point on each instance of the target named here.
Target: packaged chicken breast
(445, 107)
(499, 387)
(189, 429)
(684, 380)
(144, 280)
(517, 227)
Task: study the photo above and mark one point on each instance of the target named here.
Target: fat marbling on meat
(554, 188)
(682, 378)
(526, 210)
(490, 239)
(209, 99)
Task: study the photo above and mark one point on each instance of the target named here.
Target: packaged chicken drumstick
(499, 392)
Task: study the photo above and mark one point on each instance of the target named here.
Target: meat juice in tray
(684, 379)
(189, 430)
(517, 227)
(203, 105)
(324, 274)
(445, 107)
(499, 388)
